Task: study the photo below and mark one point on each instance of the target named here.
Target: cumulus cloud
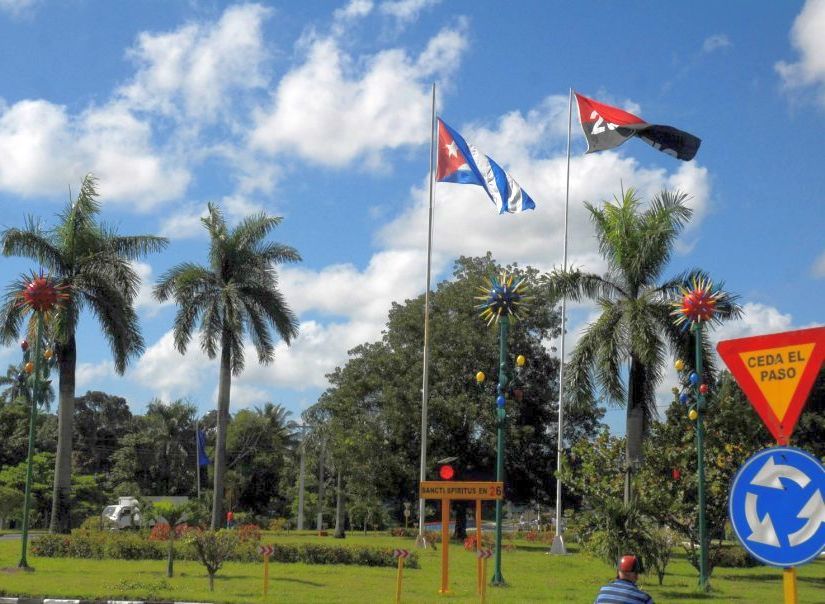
(193, 71)
(186, 222)
(89, 375)
(169, 374)
(333, 109)
(406, 10)
(716, 42)
(807, 39)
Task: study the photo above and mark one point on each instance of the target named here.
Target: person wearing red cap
(623, 590)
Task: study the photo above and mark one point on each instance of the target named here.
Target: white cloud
(356, 9)
(818, 268)
(145, 300)
(333, 108)
(406, 10)
(809, 41)
(715, 42)
(171, 375)
(193, 71)
(89, 375)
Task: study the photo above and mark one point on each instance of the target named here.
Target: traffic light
(447, 469)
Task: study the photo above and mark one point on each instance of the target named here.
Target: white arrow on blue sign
(776, 506)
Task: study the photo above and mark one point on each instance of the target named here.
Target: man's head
(629, 568)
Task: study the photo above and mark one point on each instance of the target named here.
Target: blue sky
(320, 112)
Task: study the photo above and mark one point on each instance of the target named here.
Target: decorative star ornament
(41, 294)
(501, 298)
(697, 304)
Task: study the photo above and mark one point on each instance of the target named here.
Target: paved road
(17, 536)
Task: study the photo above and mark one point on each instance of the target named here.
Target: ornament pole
(33, 399)
(700, 454)
(504, 325)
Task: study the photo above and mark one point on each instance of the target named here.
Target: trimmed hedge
(132, 546)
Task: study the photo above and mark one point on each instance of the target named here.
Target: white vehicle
(126, 513)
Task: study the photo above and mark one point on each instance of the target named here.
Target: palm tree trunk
(61, 516)
(635, 425)
(339, 508)
(301, 474)
(321, 484)
(224, 386)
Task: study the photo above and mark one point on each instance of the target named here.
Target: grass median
(533, 576)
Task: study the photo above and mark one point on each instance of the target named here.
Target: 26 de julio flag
(461, 163)
(606, 127)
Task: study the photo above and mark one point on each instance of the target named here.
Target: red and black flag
(606, 127)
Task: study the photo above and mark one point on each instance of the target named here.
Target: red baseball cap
(630, 564)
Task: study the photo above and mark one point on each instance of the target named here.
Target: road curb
(71, 601)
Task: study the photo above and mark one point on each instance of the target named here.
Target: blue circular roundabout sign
(776, 506)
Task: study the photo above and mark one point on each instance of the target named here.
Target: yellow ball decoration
(520, 360)
(693, 414)
(679, 364)
(48, 354)
(29, 367)
(480, 377)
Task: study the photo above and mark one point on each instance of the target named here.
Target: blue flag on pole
(461, 163)
(203, 459)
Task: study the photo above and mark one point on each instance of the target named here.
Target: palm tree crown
(94, 264)
(635, 326)
(236, 295)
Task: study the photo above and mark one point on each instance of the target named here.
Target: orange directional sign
(444, 489)
(776, 372)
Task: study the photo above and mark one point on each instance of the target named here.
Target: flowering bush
(249, 532)
(160, 532)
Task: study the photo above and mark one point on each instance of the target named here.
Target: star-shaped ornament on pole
(696, 306)
(503, 295)
(501, 298)
(40, 295)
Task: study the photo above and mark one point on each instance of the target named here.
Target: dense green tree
(372, 408)
(95, 266)
(631, 336)
(257, 444)
(101, 421)
(235, 295)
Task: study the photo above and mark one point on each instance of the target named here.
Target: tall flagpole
(558, 540)
(425, 388)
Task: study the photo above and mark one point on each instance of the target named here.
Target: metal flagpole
(198, 458)
(425, 388)
(558, 540)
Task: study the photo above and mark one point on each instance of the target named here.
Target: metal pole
(504, 325)
(425, 387)
(198, 458)
(700, 453)
(301, 476)
(35, 392)
(558, 539)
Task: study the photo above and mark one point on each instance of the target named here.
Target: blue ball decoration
(500, 401)
(683, 398)
(694, 378)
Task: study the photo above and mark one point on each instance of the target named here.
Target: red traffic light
(446, 472)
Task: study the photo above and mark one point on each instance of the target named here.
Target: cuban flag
(461, 163)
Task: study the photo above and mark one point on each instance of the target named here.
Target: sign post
(266, 551)
(483, 555)
(401, 554)
(776, 372)
(446, 492)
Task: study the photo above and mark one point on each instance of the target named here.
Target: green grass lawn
(533, 577)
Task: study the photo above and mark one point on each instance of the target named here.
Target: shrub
(249, 532)
(278, 525)
(212, 549)
(470, 542)
(400, 531)
(92, 524)
(126, 546)
(659, 549)
(734, 556)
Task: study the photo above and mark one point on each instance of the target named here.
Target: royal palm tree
(94, 264)
(629, 341)
(236, 295)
